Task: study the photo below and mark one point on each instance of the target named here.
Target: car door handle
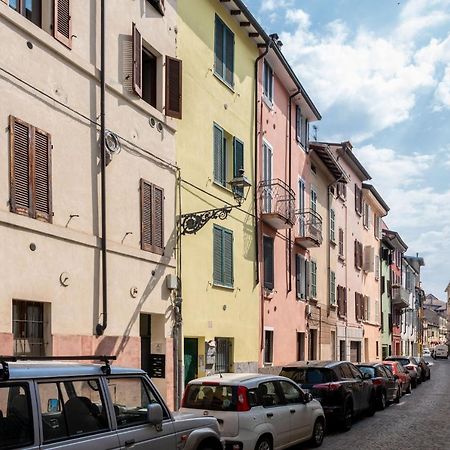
(269, 414)
(130, 442)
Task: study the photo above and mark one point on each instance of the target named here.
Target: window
(361, 307)
(302, 275)
(224, 52)
(313, 199)
(152, 218)
(268, 346)
(224, 355)
(223, 257)
(332, 288)
(366, 215)
(16, 430)
(147, 69)
(300, 346)
(28, 328)
(301, 207)
(341, 243)
(71, 408)
(358, 254)
(268, 82)
(377, 267)
(291, 393)
(301, 128)
(267, 394)
(332, 225)
(158, 5)
(130, 397)
(313, 279)
(377, 229)
(228, 156)
(30, 171)
(268, 262)
(358, 200)
(55, 12)
(342, 301)
(341, 190)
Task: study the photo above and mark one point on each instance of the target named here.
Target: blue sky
(379, 73)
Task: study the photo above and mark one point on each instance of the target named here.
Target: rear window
(211, 397)
(402, 361)
(368, 370)
(308, 375)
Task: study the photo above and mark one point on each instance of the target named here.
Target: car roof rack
(4, 360)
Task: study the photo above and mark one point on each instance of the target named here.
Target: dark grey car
(50, 405)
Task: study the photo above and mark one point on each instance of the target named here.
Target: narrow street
(419, 421)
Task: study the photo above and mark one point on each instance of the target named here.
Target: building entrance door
(190, 359)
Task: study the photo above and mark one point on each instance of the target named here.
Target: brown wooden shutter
(41, 169)
(137, 61)
(173, 87)
(20, 180)
(62, 26)
(152, 218)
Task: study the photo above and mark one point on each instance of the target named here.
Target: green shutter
(238, 161)
(298, 276)
(218, 48)
(229, 56)
(217, 256)
(219, 156)
(227, 258)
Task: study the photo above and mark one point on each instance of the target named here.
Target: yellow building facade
(220, 297)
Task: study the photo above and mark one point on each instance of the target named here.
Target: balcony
(309, 232)
(400, 297)
(277, 204)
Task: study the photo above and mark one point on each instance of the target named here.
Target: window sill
(218, 77)
(333, 243)
(269, 293)
(333, 306)
(222, 286)
(341, 258)
(268, 102)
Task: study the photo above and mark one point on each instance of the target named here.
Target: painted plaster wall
(73, 246)
(386, 338)
(210, 311)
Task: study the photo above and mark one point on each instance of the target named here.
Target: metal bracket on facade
(193, 222)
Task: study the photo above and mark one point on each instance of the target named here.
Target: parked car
(426, 351)
(440, 351)
(84, 406)
(340, 387)
(409, 363)
(404, 378)
(387, 386)
(255, 411)
(425, 366)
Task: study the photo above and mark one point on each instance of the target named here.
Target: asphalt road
(420, 421)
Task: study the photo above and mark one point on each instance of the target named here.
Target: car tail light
(242, 397)
(327, 386)
(377, 381)
(411, 367)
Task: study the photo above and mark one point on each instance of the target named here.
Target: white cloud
(420, 213)
(273, 5)
(442, 93)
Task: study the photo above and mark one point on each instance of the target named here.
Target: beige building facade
(50, 190)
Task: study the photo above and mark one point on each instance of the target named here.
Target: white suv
(255, 411)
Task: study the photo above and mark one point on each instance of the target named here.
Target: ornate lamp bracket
(193, 222)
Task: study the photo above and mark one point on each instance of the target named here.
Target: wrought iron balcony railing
(309, 231)
(277, 201)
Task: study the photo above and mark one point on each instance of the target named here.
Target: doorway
(190, 359)
(312, 354)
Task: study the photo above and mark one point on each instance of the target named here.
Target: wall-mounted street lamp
(193, 222)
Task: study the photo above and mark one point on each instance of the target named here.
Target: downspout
(257, 228)
(101, 327)
(262, 55)
(289, 183)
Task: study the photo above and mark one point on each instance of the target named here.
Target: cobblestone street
(419, 421)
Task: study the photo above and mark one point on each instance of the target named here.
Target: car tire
(409, 390)
(264, 443)
(347, 416)
(398, 396)
(382, 401)
(413, 383)
(318, 433)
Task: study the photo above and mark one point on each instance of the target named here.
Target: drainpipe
(290, 181)
(101, 327)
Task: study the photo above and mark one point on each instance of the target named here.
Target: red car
(401, 373)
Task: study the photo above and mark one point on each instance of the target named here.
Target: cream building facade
(50, 189)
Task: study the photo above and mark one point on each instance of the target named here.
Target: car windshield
(308, 375)
(368, 370)
(212, 397)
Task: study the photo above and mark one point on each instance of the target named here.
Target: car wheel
(399, 394)
(382, 401)
(409, 390)
(347, 417)
(318, 433)
(414, 383)
(264, 443)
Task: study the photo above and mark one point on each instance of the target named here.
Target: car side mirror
(155, 414)
(307, 398)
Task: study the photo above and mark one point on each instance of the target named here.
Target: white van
(440, 351)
